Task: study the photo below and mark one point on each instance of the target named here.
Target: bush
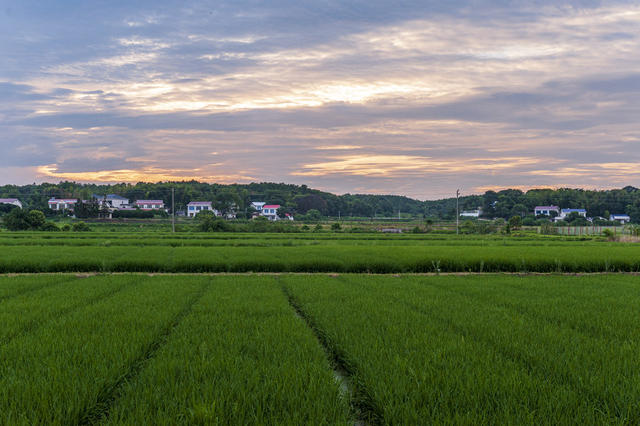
(547, 228)
(49, 226)
(20, 220)
(210, 223)
(66, 227)
(335, 226)
(317, 228)
(133, 214)
(80, 227)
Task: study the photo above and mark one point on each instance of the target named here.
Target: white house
(566, 212)
(622, 218)
(59, 204)
(546, 210)
(195, 207)
(112, 200)
(270, 211)
(12, 201)
(150, 204)
(471, 213)
(258, 205)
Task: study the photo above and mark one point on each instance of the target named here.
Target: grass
(487, 349)
(425, 350)
(323, 258)
(241, 357)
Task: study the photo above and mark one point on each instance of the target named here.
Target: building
(112, 201)
(150, 204)
(258, 205)
(270, 211)
(59, 204)
(546, 210)
(471, 213)
(195, 207)
(622, 218)
(566, 212)
(12, 201)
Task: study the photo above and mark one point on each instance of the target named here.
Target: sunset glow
(340, 98)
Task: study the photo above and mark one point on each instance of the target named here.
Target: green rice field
(310, 252)
(319, 349)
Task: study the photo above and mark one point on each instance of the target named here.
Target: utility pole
(173, 210)
(457, 211)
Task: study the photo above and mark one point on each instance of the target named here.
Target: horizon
(414, 99)
(462, 194)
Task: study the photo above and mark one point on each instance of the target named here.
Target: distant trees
(21, 220)
(300, 199)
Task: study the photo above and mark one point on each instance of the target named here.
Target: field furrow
(426, 354)
(27, 312)
(240, 357)
(59, 372)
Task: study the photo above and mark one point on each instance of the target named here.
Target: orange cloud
(147, 174)
(394, 165)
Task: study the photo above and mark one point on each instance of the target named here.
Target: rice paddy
(320, 252)
(263, 349)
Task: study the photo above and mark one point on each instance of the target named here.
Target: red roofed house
(12, 201)
(270, 211)
(62, 203)
(150, 204)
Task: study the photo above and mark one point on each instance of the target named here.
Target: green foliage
(496, 344)
(312, 215)
(66, 227)
(547, 228)
(317, 228)
(133, 214)
(515, 222)
(36, 219)
(80, 227)
(49, 227)
(210, 223)
(311, 252)
(21, 220)
(335, 226)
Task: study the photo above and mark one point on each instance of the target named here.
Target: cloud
(356, 96)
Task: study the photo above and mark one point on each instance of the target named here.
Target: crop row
(427, 351)
(356, 259)
(490, 349)
(141, 350)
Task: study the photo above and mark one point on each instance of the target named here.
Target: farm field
(263, 349)
(310, 252)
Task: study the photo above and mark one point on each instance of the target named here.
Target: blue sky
(409, 97)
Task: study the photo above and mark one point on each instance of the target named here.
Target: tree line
(300, 199)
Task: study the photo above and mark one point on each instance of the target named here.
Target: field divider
(35, 324)
(364, 408)
(111, 392)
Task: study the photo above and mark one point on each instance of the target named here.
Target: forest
(300, 199)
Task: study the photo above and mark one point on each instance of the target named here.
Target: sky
(415, 98)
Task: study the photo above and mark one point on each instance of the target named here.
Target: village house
(546, 210)
(150, 204)
(12, 201)
(59, 204)
(258, 205)
(566, 212)
(622, 218)
(195, 207)
(112, 201)
(471, 213)
(270, 211)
